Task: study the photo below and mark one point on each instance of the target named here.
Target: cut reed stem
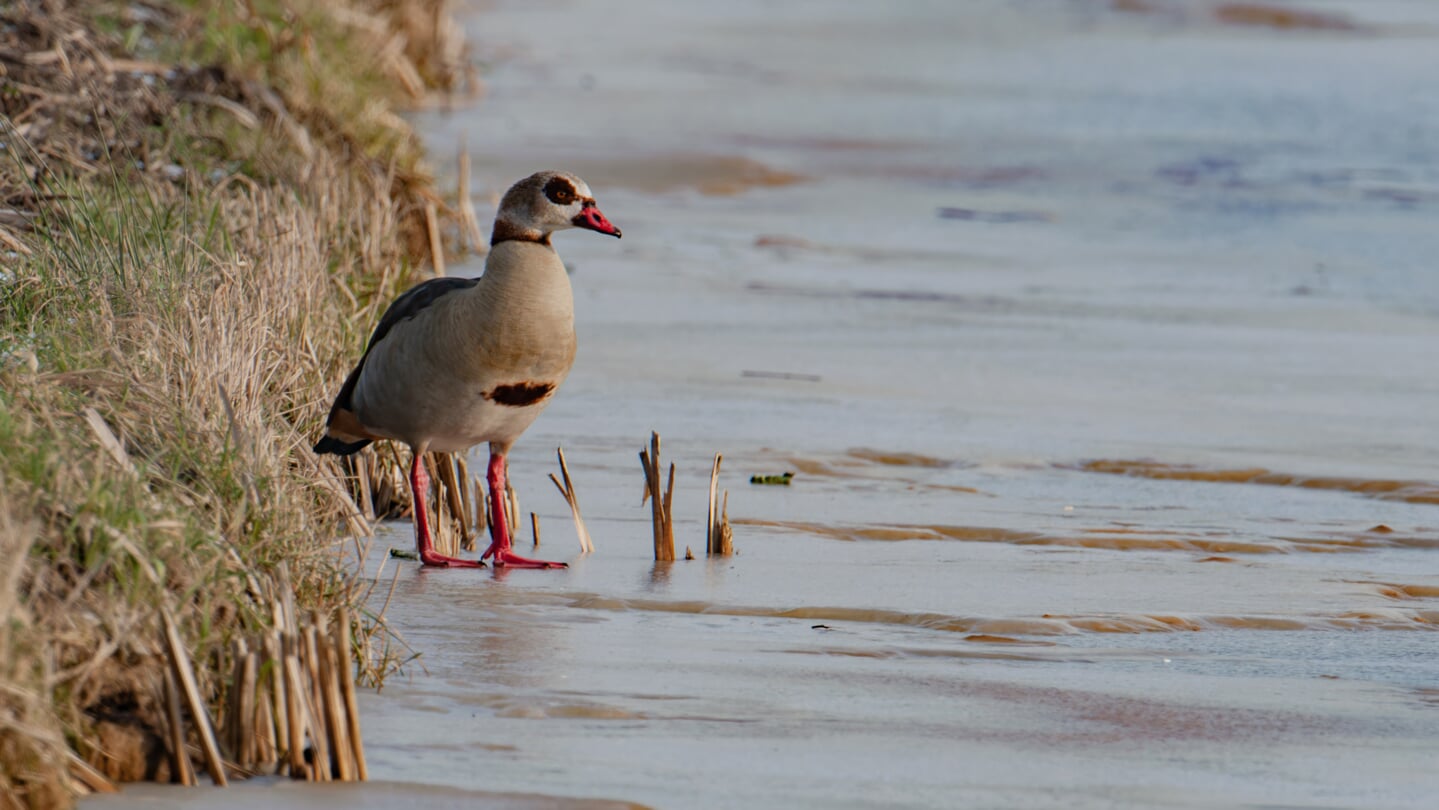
(437, 248)
(567, 489)
(185, 676)
(719, 538)
(182, 772)
(347, 685)
(660, 500)
(469, 222)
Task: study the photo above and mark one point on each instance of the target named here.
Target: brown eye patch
(560, 191)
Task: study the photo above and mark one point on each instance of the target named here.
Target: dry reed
(661, 500)
(567, 489)
(719, 536)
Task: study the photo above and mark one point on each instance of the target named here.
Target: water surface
(1101, 338)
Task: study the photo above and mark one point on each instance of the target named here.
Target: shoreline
(206, 208)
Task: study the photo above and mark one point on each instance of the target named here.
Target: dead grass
(202, 207)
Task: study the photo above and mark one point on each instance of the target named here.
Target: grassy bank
(204, 206)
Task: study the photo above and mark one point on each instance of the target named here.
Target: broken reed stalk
(535, 528)
(482, 512)
(661, 501)
(185, 677)
(435, 502)
(292, 694)
(512, 503)
(437, 248)
(181, 771)
(367, 493)
(467, 516)
(337, 726)
(726, 534)
(319, 740)
(454, 494)
(567, 489)
(719, 535)
(456, 519)
(347, 686)
(85, 774)
(710, 516)
(296, 712)
(669, 512)
(468, 221)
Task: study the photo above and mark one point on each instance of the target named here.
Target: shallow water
(1101, 338)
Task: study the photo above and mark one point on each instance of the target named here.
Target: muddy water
(1102, 340)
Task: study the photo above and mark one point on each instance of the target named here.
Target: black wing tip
(329, 444)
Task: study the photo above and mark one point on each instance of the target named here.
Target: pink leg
(499, 527)
(419, 490)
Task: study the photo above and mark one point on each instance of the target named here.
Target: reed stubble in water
(661, 501)
(719, 537)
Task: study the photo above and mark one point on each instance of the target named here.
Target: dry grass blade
(13, 242)
(246, 119)
(108, 440)
(85, 774)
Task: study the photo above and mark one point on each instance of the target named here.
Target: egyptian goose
(459, 361)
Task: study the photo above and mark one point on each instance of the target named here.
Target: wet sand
(1101, 338)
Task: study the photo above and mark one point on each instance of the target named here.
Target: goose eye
(560, 192)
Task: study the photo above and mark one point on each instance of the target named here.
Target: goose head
(546, 202)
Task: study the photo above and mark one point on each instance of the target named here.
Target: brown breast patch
(519, 394)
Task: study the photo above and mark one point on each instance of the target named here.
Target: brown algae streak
(1049, 624)
(896, 459)
(863, 464)
(1273, 16)
(1245, 15)
(1383, 489)
(1108, 539)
